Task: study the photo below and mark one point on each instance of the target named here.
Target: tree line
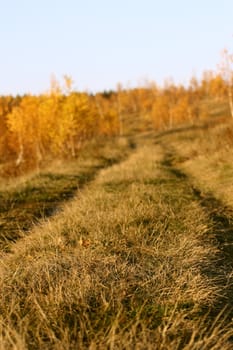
(58, 123)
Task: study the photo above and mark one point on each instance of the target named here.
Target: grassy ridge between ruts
(125, 265)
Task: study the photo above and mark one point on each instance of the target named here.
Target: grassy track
(220, 218)
(206, 163)
(129, 263)
(41, 195)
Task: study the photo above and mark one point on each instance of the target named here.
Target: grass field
(129, 247)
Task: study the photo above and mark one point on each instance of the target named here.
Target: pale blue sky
(103, 42)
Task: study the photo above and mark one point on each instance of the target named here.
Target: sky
(100, 43)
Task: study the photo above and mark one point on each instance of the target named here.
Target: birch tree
(226, 66)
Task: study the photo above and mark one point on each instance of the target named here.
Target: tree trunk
(20, 157)
(230, 100)
(72, 147)
(120, 119)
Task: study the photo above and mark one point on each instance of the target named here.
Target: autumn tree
(227, 73)
(161, 112)
(24, 124)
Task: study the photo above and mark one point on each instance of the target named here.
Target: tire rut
(41, 198)
(221, 228)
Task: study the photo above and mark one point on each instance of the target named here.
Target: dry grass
(27, 199)
(207, 157)
(121, 267)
